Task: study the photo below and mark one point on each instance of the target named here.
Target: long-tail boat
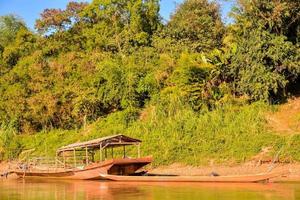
(87, 168)
(263, 177)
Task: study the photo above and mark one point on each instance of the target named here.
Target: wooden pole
(105, 153)
(139, 150)
(93, 156)
(101, 152)
(64, 159)
(56, 157)
(86, 156)
(74, 152)
(124, 151)
(112, 152)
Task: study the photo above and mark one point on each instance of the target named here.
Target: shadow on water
(92, 190)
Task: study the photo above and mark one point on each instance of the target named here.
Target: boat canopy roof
(104, 142)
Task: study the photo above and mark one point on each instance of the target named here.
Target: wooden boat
(264, 177)
(91, 170)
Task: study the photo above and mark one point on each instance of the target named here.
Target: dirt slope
(286, 120)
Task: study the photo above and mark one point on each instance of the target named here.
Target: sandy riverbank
(247, 168)
(7, 167)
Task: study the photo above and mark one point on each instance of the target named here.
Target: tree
(121, 25)
(266, 58)
(9, 27)
(53, 20)
(23, 45)
(196, 25)
(278, 17)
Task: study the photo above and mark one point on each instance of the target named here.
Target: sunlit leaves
(53, 20)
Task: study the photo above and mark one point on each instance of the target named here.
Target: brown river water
(92, 190)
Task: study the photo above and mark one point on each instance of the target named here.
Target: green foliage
(196, 25)
(289, 150)
(220, 135)
(172, 132)
(276, 17)
(12, 28)
(9, 27)
(182, 86)
(46, 143)
(10, 146)
(266, 56)
(58, 20)
(121, 25)
(264, 64)
(23, 45)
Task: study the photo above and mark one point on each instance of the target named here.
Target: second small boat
(264, 177)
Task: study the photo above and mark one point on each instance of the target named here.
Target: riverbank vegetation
(194, 89)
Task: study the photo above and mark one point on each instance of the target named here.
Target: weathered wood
(86, 156)
(139, 150)
(215, 179)
(56, 160)
(92, 172)
(75, 164)
(111, 141)
(124, 151)
(64, 159)
(70, 159)
(100, 152)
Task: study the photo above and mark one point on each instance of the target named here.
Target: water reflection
(91, 190)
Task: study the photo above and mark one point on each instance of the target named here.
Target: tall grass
(229, 134)
(10, 146)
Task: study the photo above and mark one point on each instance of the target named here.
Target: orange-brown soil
(286, 120)
(248, 168)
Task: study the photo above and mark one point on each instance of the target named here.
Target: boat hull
(215, 179)
(124, 166)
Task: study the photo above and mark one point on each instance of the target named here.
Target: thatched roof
(110, 141)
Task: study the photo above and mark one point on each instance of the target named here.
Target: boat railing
(45, 164)
(49, 164)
